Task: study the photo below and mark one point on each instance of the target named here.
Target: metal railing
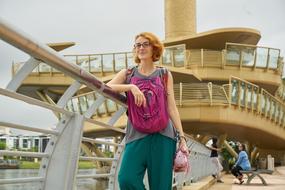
(233, 56)
(246, 95)
(280, 92)
(59, 161)
(238, 92)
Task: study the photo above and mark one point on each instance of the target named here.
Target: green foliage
(34, 165)
(229, 159)
(86, 165)
(29, 165)
(109, 154)
(2, 145)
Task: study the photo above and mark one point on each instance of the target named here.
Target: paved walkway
(276, 181)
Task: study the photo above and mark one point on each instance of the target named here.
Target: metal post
(61, 168)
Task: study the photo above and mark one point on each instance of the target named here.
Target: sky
(98, 26)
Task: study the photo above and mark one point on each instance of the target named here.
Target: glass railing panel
(249, 95)
(166, 57)
(254, 99)
(35, 70)
(263, 103)
(120, 62)
(53, 70)
(281, 114)
(102, 107)
(75, 104)
(174, 53)
(179, 56)
(273, 109)
(95, 63)
(70, 58)
(83, 61)
(131, 61)
(248, 56)
(277, 112)
(90, 99)
(261, 57)
(69, 106)
(44, 68)
(83, 103)
(111, 106)
(268, 106)
(108, 62)
(235, 90)
(273, 58)
(233, 55)
(242, 93)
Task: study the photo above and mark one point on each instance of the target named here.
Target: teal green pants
(154, 153)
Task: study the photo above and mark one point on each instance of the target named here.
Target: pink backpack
(154, 117)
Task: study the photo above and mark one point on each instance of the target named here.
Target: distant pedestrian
(215, 160)
(241, 164)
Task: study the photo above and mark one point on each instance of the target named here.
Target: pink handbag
(181, 163)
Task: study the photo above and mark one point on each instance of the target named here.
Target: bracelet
(183, 137)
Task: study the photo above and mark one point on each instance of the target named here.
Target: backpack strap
(129, 74)
(164, 76)
(163, 73)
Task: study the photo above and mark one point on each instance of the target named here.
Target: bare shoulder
(119, 78)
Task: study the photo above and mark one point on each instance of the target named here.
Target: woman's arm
(213, 148)
(172, 109)
(117, 84)
(240, 158)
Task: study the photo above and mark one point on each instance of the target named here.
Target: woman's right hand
(138, 95)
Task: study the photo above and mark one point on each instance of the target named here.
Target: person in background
(242, 163)
(215, 160)
(153, 152)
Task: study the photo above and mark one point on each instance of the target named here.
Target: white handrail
(33, 101)
(97, 159)
(22, 153)
(100, 142)
(26, 128)
(21, 180)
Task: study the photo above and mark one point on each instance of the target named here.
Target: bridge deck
(275, 181)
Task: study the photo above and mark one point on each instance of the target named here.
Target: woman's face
(240, 147)
(143, 48)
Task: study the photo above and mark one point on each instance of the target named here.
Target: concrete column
(254, 154)
(180, 18)
(115, 140)
(221, 140)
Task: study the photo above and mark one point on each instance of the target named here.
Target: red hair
(157, 46)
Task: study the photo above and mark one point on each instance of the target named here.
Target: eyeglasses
(144, 45)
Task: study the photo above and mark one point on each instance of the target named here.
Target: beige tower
(180, 18)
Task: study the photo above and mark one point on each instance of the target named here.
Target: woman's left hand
(183, 145)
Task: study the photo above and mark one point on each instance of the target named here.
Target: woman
(241, 164)
(215, 160)
(153, 152)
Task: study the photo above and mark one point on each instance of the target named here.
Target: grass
(33, 165)
(29, 165)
